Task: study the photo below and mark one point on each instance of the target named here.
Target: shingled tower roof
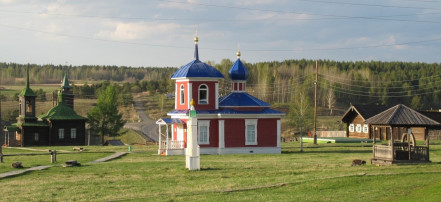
(401, 115)
(27, 91)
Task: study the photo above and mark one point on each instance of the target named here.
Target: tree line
(342, 83)
(339, 83)
(13, 73)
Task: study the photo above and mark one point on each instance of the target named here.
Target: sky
(160, 33)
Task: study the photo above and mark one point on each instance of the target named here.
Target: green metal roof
(11, 128)
(38, 124)
(61, 112)
(27, 92)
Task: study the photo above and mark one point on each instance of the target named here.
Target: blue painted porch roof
(238, 71)
(241, 99)
(172, 121)
(196, 68)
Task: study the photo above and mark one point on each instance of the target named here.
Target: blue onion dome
(238, 70)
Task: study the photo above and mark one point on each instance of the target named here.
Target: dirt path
(18, 172)
(147, 127)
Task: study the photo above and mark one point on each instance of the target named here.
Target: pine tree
(105, 119)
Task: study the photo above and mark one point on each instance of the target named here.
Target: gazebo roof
(401, 115)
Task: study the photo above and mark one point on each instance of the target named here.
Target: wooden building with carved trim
(61, 125)
(355, 118)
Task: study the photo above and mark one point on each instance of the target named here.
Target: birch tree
(330, 100)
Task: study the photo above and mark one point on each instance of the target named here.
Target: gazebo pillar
(160, 140)
(391, 143)
(166, 139)
(427, 143)
(373, 131)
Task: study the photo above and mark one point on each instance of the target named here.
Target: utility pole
(315, 103)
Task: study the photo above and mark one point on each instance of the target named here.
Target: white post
(190, 94)
(221, 136)
(216, 93)
(279, 129)
(192, 160)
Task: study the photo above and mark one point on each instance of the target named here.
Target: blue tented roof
(241, 99)
(238, 71)
(230, 111)
(196, 68)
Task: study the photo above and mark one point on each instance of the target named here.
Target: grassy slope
(321, 172)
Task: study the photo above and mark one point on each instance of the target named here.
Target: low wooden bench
(71, 163)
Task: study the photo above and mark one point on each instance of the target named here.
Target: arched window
(28, 106)
(19, 108)
(203, 94)
(182, 94)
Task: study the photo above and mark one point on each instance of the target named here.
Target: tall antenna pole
(315, 102)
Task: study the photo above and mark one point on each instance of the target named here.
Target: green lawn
(320, 173)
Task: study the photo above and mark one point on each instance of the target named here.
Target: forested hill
(53, 73)
(339, 83)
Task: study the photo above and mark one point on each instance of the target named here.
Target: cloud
(391, 40)
(136, 30)
(280, 19)
(366, 42)
(187, 5)
(254, 2)
(5, 2)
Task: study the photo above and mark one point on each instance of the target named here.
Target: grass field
(320, 173)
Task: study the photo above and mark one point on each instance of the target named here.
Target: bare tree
(330, 100)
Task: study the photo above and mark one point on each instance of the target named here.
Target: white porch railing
(172, 144)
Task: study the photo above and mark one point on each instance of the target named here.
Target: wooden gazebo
(405, 150)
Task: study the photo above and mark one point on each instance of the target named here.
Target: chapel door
(180, 133)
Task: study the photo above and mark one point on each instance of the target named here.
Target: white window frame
(358, 128)
(365, 128)
(204, 124)
(73, 133)
(182, 94)
(351, 128)
(36, 137)
(250, 122)
(199, 94)
(61, 133)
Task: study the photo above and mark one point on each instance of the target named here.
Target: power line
(374, 90)
(293, 12)
(223, 49)
(385, 96)
(328, 17)
(370, 5)
(368, 86)
(390, 81)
